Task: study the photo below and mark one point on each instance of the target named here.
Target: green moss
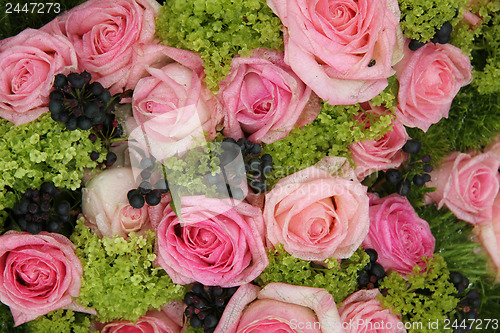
(218, 30)
(119, 278)
(339, 279)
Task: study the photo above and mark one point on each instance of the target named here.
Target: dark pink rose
(317, 215)
(263, 98)
(344, 49)
(107, 35)
(399, 236)
(216, 243)
(280, 307)
(172, 106)
(38, 274)
(429, 79)
(28, 64)
(362, 312)
(467, 185)
(168, 320)
(374, 155)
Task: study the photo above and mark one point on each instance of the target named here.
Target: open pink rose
(280, 307)
(105, 203)
(362, 312)
(467, 185)
(399, 236)
(316, 215)
(488, 234)
(215, 244)
(373, 155)
(344, 49)
(28, 64)
(168, 320)
(106, 34)
(264, 98)
(173, 106)
(429, 79)
(38, 274)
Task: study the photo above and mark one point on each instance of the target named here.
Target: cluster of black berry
(205, 305)
(109, 161)
(42, 209)
(146, 192)
(402, 179)
(467, 309)
(80, 104)
(256, 167)
(373, 272)
(442, 36)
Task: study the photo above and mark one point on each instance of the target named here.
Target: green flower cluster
(119, 278)
(42, 150)
(219, 30)
(338, 278)
(421, 18)
(423, 297)
(330, 134)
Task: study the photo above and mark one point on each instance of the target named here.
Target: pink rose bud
(316, 215)
(467, 185)
(399, 236)
(344, 49)
(28, 65)
(264, 98)
(429, 79)
(38, 274)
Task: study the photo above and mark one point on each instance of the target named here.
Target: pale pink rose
(382, 154)
(105, 204)
(168, 320)
(488, 234)
(280, 307)
(28, 65)
(362, 312)
(467, 185)
(399, 236)
(263, 98)
(316, 215)
(344, 49)
(38, 274)
(429, 79)
(106, 35)
(173, 107)
(214, 244)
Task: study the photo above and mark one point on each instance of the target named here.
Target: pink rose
(38, 274)
(316, 215)
(105, 204)
(168, 320)
(429, 79)
(373, 155)
(173, 106)
(343, 50)
(399, 236)
(107, 34)
(362, 312)
(214, 244)
(467, 185)
(28, 64)
(264, 98)
(280, 307)
(488, 234)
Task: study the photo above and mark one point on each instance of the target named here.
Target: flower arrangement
(250, 166)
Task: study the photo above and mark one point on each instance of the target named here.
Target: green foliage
(218, 30)
(13, 23)
(421, 18)
(6, 320)
(331, 133)
(422, 296)
(190, 329)
(490, 302)
(338, 278)
(389, 96)
(61, 321)
(119, 278)
(42, 150)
